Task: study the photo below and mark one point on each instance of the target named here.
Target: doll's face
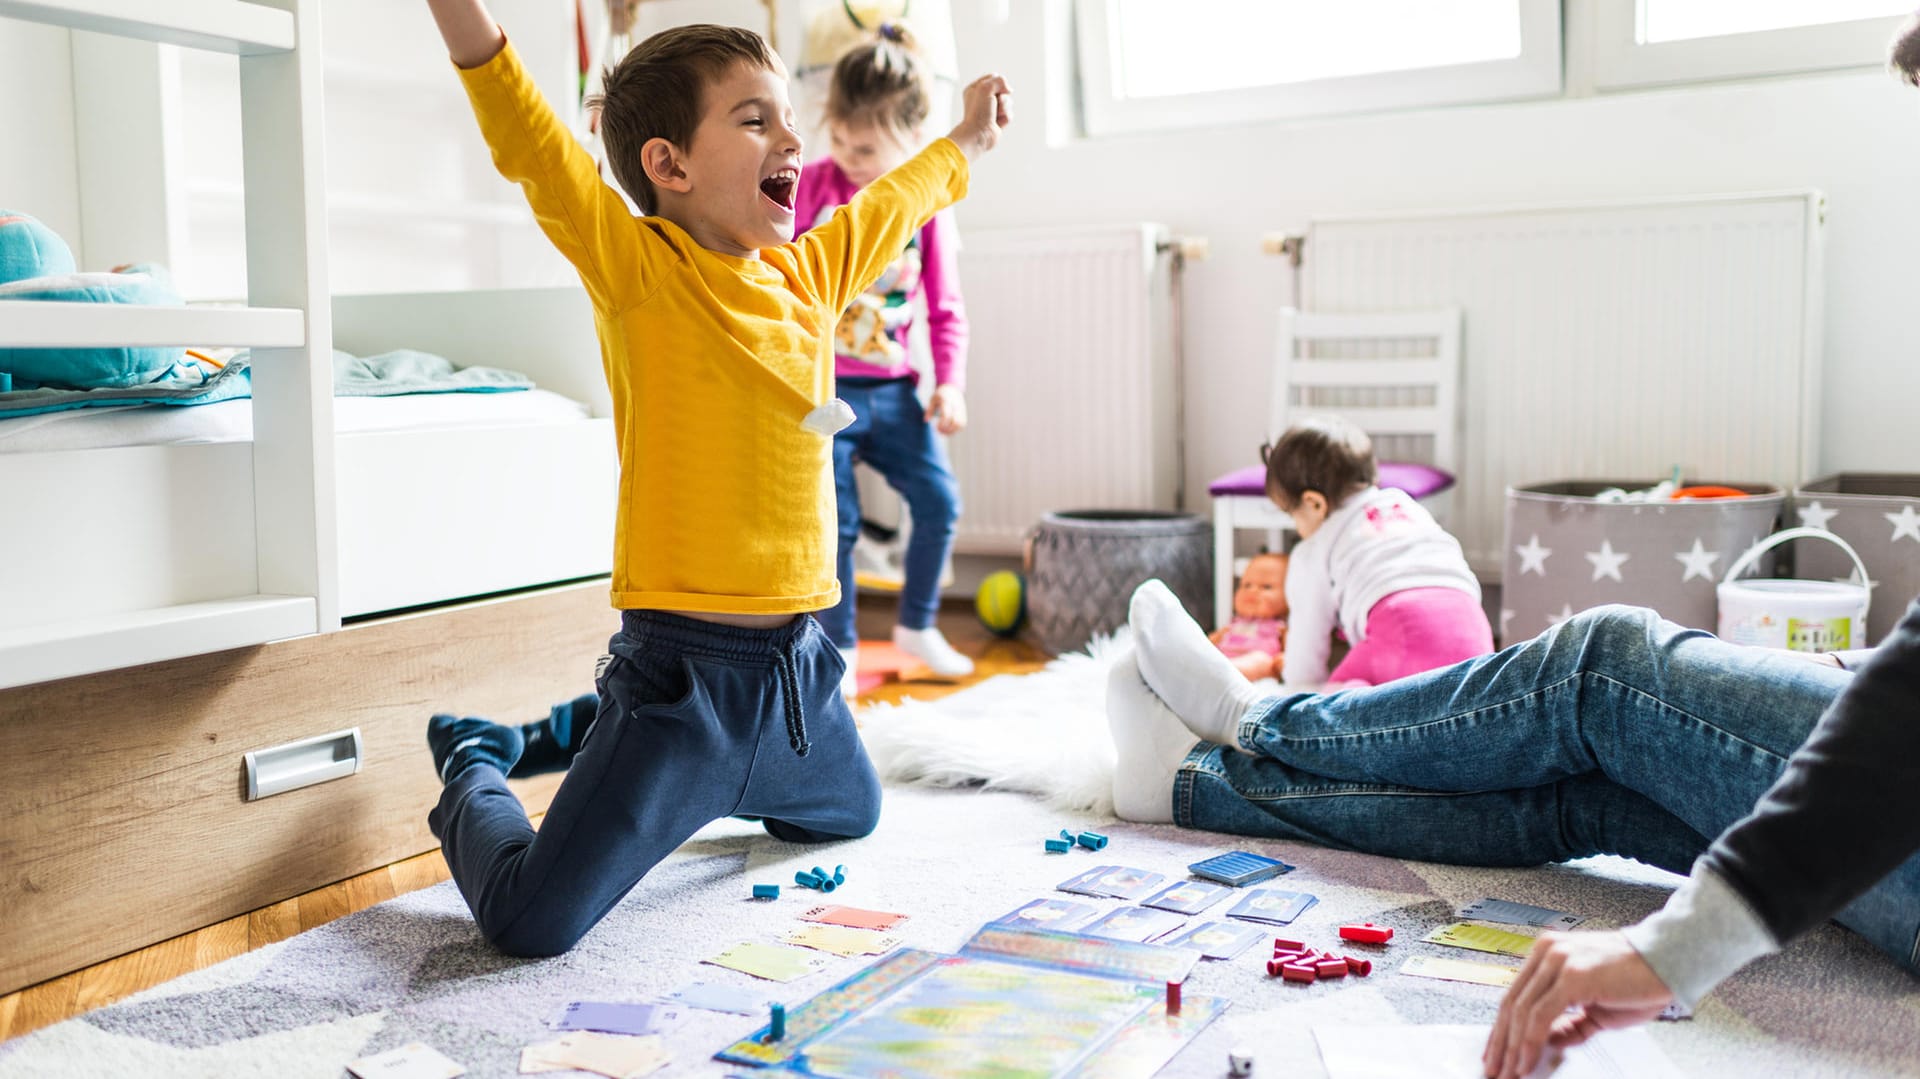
(1263, 589)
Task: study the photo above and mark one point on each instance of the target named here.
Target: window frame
(1621, 61)
(1536, 73)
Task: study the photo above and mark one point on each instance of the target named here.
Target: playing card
(615, 1018)
(612, 1055)
(1188, 896)
(1482, 938)
(1086, 881)
(414, 1060)
(720, 998)
(1063, 915)
(1126, 882)
(1272, 906)
(1459, 970)
(853, 917)
(1239, 867)
(1216, 940)
(774, 962)
(1500, 910)
(1135, 924)
(841, 940)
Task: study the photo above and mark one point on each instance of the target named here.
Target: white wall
(1854, 136)
(37, 174)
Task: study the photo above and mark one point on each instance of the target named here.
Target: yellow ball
(1001, 602)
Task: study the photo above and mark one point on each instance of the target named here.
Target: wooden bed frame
(124, 818)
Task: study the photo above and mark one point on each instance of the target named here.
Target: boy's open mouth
(779, 188)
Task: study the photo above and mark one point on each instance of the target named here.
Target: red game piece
(1173, 998)
(1273, 968)
(1359, 967)
(1289, 945)
(1331, 968)
(1366, 933)
(1299, 972)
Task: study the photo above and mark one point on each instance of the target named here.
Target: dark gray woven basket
(1083, 566)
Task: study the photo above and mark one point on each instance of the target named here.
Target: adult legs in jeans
(1694, 725)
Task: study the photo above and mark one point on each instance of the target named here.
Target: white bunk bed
(124, 555)
(167, 611)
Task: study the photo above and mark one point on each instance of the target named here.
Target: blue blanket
(192, 382)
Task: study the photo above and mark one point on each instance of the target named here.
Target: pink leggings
(1416, 630)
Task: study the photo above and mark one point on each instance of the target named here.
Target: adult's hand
(1599, 976)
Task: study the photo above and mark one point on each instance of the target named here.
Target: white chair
(1396, 375)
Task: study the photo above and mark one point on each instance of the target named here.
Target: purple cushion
(1251, 480)
(1417, 480)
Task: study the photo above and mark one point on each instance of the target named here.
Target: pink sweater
(871, 339)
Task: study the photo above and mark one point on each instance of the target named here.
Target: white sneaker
(930, 647)
(850, 681)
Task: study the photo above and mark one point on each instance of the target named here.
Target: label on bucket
(1795, 634)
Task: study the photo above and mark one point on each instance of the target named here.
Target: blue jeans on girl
(891, 434)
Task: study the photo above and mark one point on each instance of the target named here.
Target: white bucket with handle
(1803, 616)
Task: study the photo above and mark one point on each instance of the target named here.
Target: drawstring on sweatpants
(788, 673)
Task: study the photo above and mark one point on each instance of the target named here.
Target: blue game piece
(806, 880)
(1059, 846)
(1092, 840)
(766, 891)
(839, 874)
(1239, 867)
(777, 1022)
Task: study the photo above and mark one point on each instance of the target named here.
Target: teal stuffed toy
(35, 264)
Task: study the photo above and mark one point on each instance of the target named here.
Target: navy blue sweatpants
(697, 721)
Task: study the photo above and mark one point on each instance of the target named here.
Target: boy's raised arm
(583, 217)
(849, 252)
(467, 27)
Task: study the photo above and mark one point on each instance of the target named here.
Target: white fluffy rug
(1043, 733)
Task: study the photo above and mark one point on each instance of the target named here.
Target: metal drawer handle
(303, 763)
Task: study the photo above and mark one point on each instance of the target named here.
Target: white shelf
(54, 324)
(229, 26)
(107, 642)
(345, 205)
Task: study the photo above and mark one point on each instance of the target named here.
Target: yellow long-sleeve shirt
(726, 501)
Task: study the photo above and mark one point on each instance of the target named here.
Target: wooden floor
(64, 997)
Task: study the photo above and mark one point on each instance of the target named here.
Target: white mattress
(232, 421)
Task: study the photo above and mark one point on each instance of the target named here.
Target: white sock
(930, 647)
(850, 681)
(1191, 675)
(1149, 743)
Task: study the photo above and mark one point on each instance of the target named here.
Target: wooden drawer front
(124, 821)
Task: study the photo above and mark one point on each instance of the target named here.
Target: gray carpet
(413, 968)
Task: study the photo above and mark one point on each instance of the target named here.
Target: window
(1665, 42)
(1154, 64)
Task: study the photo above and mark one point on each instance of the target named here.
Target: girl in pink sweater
(876, 104)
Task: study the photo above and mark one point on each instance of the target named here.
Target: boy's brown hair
(1325, 454)
(658, 91)
(881, 83)
(1903, 56)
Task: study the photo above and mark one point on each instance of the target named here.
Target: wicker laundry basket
(1083, 565)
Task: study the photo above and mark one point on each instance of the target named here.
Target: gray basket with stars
(1878, 514)
(1566, 551)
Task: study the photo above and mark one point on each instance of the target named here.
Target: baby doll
(1256, 638)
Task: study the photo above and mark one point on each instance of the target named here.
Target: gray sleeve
(1704, 933)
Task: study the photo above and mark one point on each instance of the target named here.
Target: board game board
(1013, 1003)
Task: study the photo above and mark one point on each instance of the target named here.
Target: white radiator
(1607, 341)
(1072, 392)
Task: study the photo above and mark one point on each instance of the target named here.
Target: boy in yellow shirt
(721, 696)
